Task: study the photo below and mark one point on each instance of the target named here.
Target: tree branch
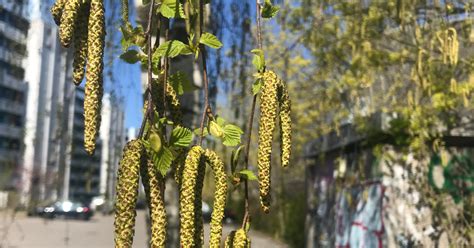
(148, 113)
(207, 108)
(250, 123)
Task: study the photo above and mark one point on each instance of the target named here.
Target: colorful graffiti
(359, 222)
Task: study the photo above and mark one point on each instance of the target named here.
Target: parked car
(229, 216)
(67, 209)
(206, 212)
(37, 210)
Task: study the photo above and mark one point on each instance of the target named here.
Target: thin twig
(250, 123)
(166, 68)
(148, 112)
(207, 108)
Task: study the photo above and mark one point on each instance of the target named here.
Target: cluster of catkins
(172, 100)
(82, 22)
(133, 164)
(274, 100)
(191, 226)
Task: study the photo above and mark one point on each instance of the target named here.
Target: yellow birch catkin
(80, 43)
(154, 185)
(268, 113)
(178, 166)
(172, 100)
(285, 123)
(57, 10)
(198, 218)
(94, 88)
(220, 195)
(229, 240)
(68, 21)
(237, 239)
(187, 197)
(127, 193)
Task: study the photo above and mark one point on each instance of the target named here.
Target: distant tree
(408, 63)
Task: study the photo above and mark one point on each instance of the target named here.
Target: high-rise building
(112, 136)
(13, 89)
(56, 164)
(49, 93)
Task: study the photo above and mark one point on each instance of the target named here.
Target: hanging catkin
(154, 185)
(198, 219)
(57, 10)
(80, 44)
(94, 88)
(268, 114)
(285, 123)
(189, 181)
(220, 195)
(172, 101)
(127, 193)
(237, 239)
(68, 21)
(84, 22)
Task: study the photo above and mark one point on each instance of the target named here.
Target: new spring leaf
(181, 136)
(210, 40)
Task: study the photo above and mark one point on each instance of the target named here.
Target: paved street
(25, 232)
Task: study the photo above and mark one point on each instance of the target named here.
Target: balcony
(10, 131)
(13, 33)
(11, 82)
(12, 107)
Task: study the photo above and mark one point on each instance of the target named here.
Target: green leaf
(172, 9)
(197, 132)
(132, 36)
(155, 142)
(210, 40)
(181, 137)
(215, 129)
(130, 56)
(232, 135)
(181, 83)
(163, 160)
(257, 85)
(234, 158)
(248, 174)
(164, 120)
(220, 121)
(258, 59)
(171, 49)
(269, 10)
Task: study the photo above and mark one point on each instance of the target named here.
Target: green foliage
(172, 9)
(155, 142)
(269, 10)
(172, 49)
(132, 36)
(234, 159)
(248, 174)
(229, 134)
(258, 59)
(131, 56)
(232, 134)
(181, 137)
(197, 132)
(163, 160)
(210, 40)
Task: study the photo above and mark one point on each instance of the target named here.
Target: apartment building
(13, 89)
(56, 164)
